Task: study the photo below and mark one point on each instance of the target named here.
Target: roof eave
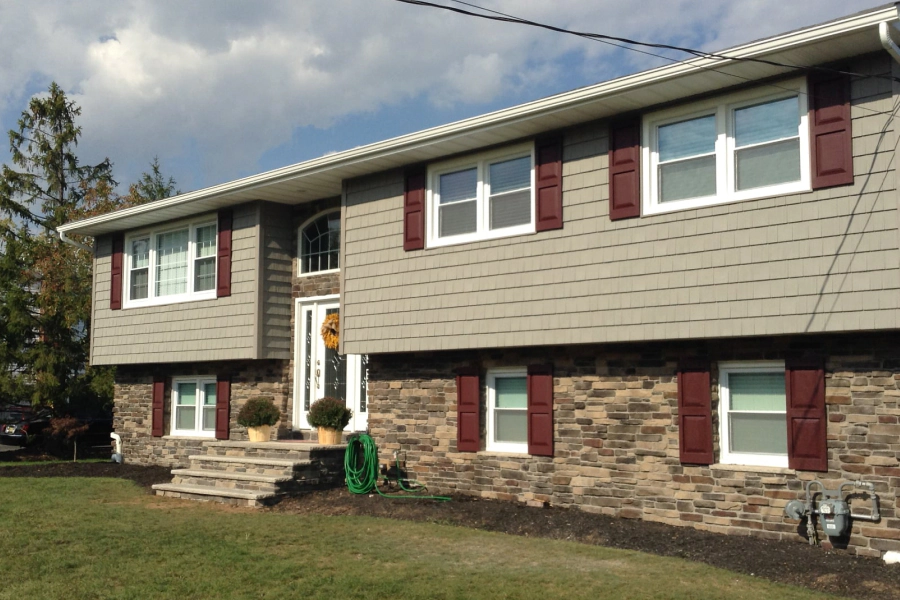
(286, 184)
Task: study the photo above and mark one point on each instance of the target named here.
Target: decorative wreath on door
(331, 331)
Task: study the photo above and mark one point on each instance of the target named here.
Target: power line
(605, 39)
(513, 19)
(506, 18)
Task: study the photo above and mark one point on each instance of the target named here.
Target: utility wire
(506, 18)
(605, 39)
(513, 19)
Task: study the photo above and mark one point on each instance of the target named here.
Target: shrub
(62, 434)
(258, 411)
(329, 412)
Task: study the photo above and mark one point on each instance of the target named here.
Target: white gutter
(887, 40)
(523, 112)
(67, 240)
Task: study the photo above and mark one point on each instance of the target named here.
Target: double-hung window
(752, 414)
(742, 146)
(507, 412)
(483, 197)
(171, 265)
(194, 407)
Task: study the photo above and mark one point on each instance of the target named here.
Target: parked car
(24, 426)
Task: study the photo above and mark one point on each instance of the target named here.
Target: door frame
(353, 365)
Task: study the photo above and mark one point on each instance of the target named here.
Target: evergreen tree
(45, 285)
(152, 186)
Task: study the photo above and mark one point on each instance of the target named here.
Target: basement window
(753, 414)
(194, 407)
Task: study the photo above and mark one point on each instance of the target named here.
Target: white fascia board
(341, 165)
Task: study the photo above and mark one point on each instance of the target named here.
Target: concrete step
(209, 494)
(271, 467)
(256, 474)
(234, 481)
(226, 484)
(272, 479)
(283, 449)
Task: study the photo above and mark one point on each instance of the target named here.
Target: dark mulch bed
(786, 562)
(144, 476)
(792, 563)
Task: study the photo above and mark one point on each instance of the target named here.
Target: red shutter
(540, 410)
(831, 142)
(695, 441)
(414, 211)
(223, 248)
(625, 169)
(548, 180)
(806, 420)
(115, 281)
(223, 402)
(468, 410)
(158, 407)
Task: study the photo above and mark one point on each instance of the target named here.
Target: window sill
(314, 273)
(503, 454)
(656, 208)
(470, 238)
(753, 469)
(163, 301)
(188, 436)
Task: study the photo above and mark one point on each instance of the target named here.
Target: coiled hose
(361, 469)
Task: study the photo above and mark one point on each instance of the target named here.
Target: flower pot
(329, 436)
(259, 434)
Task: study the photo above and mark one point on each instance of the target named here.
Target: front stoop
(256, 474)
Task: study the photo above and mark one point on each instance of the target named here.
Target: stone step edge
(229, 475)
(211, 491)
(275, 462)
(301, 446)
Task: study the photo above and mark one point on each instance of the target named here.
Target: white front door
(320, 371)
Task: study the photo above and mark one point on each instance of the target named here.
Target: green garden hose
(361, 469)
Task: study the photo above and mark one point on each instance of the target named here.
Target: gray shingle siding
(277, 269)
(811, 262)
(218, 329)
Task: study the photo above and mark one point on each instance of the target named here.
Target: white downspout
(67, 240)
(887, 41)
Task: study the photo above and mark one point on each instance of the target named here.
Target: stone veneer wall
(616, 434)
(134, 396)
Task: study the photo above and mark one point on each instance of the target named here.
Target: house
(672, 296)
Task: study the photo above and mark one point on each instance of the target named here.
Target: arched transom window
(320, 244)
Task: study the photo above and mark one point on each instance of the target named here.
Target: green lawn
(25, 463)
(105, 538)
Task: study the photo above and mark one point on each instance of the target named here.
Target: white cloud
(212, 86)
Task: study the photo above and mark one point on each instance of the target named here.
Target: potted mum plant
(330, 416)
(258, 415)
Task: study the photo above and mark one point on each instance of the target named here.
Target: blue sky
(222, 89)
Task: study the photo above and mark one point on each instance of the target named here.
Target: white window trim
(736, 458)
(198, 431)
(722, 108)
(491, 378)
(482, 232)
(300, 229)
(151, 300)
